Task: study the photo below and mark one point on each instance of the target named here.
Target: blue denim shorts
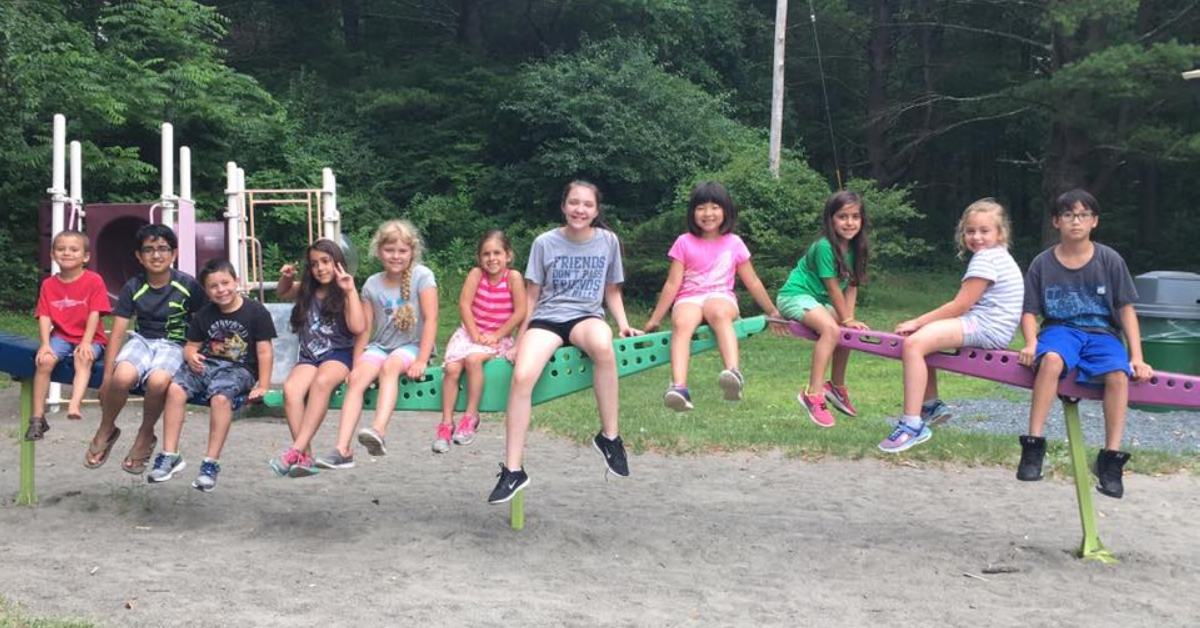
(231, 380)
(64, 350)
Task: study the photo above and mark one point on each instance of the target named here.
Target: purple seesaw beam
(1166, 389)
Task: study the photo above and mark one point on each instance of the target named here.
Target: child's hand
(779, 329)
(85, 352)
(256, 393)
(45, 355)
(857, 324)
(629, 332)
(651, 327)
(908, 327)
(511, 354)
(288, 270)
(416, 370)
(344, 280)
(1141, 370)
(196, 362)
(488, 340)
(1028, 352)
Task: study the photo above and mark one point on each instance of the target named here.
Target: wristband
(848, 321)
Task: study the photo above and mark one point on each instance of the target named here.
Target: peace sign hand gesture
(344, 280)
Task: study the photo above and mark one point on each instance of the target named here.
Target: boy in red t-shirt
(68, 312)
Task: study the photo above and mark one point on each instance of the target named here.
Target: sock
(914, 422)
(213, 460)
(170, 453)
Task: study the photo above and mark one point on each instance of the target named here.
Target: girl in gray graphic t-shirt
(573, 272)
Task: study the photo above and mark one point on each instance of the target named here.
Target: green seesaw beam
(568, 371)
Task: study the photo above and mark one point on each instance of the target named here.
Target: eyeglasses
(159, 250)
(1076, 216)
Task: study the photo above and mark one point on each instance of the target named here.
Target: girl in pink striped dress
(492, 305)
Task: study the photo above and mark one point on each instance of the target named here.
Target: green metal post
(1091, 548)
(516, 511)
(26, 496)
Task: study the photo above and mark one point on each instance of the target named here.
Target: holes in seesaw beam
(870, 340)
(1004, 359)
(972, 355)
(637, 360)
(987, 357)
(554, 373)
(624, 362)
(1188, 385)
(1170, 383)
(642, 344)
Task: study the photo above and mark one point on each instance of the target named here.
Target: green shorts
(794, 306)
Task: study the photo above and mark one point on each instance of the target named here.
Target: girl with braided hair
(401, 309)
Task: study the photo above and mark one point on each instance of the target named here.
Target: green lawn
(11, 616)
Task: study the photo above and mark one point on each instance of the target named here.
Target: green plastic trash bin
(1168, 310)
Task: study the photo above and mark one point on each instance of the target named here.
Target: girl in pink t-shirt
(700, 286)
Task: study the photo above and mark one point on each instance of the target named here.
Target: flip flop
(137, 464)
(92, 452)
(75, 417)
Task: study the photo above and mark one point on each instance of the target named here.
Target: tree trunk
(352, 24)
(878, 58)
(470, 24)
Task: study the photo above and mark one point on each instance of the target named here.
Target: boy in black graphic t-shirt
(227, 358)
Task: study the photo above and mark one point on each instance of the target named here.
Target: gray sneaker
(165, 467)
(731, 382)
(371, 439)
(207, 479)
(935, 412)
(335, 460)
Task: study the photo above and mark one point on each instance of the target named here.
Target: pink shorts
(700, 299)
(460, 346)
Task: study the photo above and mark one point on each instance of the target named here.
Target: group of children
(204, 343)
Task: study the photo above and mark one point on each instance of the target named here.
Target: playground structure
(1163, 388)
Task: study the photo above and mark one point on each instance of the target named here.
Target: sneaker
(304, 467)
(165, 467)
(935, 412)
(374, 443)
(839, 397)
(1110, 466)
(442, 443)
(206, 480)
(731, 383)
(335, 460)
(1033, 453)
(511, 483)
(37, 427)
(678, 398)
(614, 454)
(282, 464)
(815, 404)
(464, 434)
(905, 437)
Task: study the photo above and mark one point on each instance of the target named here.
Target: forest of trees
(467, 114)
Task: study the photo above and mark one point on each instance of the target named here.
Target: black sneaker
(614, 454)
(1110, 466)
(1033, 453)
(511, 483)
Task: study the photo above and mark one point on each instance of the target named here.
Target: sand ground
(744, 539)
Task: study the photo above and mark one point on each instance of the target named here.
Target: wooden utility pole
(781, 7)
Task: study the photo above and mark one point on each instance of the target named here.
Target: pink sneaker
(815, 404)
(839, 397)
(442, 443)
(465, 433)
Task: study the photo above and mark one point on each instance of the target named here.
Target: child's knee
(1051, 362)
(1116, 378)
(452, 369)
(157, 382)
(176, 394)
(47, 365)
(325, 382)
(475, 361)
(220, 402)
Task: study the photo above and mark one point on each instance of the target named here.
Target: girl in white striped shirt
(985, 313)
(492, 305)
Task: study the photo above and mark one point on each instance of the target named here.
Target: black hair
(860, 243)
(1067, 201)
(334, 303)
(711, 192)
(599, 221)
(216, 265)
(72, 233)
(156, 232)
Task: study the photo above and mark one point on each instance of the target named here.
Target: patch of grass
(12, 616)
(770, 417)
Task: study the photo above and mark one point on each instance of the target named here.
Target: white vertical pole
(233, 217)
(777, 86)
(243, 231)
(167, 173)
(332, 218)
(77, 184)
(185, 173)
(58, 197)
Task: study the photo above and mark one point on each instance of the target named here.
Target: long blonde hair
(986, 205)
(402, 231)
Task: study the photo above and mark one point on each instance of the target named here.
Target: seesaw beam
(1002, 366)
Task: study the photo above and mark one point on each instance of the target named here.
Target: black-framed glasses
(1076, 216)
(159, 250)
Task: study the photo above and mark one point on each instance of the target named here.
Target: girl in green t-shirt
(821, 293)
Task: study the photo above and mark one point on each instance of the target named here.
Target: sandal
(90, 458)
(37, 427)
(136, 464)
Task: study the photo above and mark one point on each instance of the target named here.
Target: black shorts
(562, 330)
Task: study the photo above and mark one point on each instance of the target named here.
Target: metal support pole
(781, 8)
(331, 218)
(1091, 548)
(233, 217)
(167, 173)
(76, 221)
(26, 495)
(516, 512)
(58, 199)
